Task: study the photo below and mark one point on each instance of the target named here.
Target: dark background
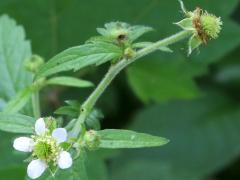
(193, 101)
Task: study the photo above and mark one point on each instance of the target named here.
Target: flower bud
(129, 53)
(34, 63)
(203, 25)
(115, 30)
(92, 140)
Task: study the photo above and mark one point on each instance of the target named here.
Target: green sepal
(186, 24)
(91, 140)
(193, 43)
(66, 145)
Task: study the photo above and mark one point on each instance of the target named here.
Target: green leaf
(113, 29)
(79, 57)
(9, 157)
(96, 166)
(114, 138)
(164, 78)
(19, 101)
(13, 172)
(93, 119)
(229, 74)
(16, 123)
(175, 79)
(72, 109)
(138, 31)
(14, 49)
(2, 104)
(69, 81)
(204, 137)
(68, 110)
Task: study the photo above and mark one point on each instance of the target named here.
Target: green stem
(36, 105)
(115, 69)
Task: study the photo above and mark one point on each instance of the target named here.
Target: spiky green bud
(203, 25)
(211, 25)
(46, 148)
(92, 140)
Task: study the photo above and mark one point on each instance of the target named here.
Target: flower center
(46, 148)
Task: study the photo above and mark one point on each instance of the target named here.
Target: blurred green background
(193, 101)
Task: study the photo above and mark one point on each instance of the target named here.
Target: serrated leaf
(79, 57)
(69, 81)
(145, 44)
(115, 138)
(138, 31)
(113, 29)
(14, 49)
(16, 123)
(19, 101)
(99, 39)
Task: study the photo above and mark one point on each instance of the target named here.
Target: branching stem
(115, 69)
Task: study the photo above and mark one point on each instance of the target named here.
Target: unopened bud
(92, 140)
(34, 63)
(129, 53)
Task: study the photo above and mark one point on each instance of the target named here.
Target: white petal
(40, 126)
(23, 144)
(60, 134)
(36, 168)
(64, 160)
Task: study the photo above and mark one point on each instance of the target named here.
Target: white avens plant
(46, 149)
(117, 44)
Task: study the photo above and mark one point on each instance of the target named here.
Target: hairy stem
(115, 69)
(36, 105)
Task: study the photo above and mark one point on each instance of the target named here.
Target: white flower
(45, 147)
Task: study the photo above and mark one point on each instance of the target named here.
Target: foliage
(158, 95)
